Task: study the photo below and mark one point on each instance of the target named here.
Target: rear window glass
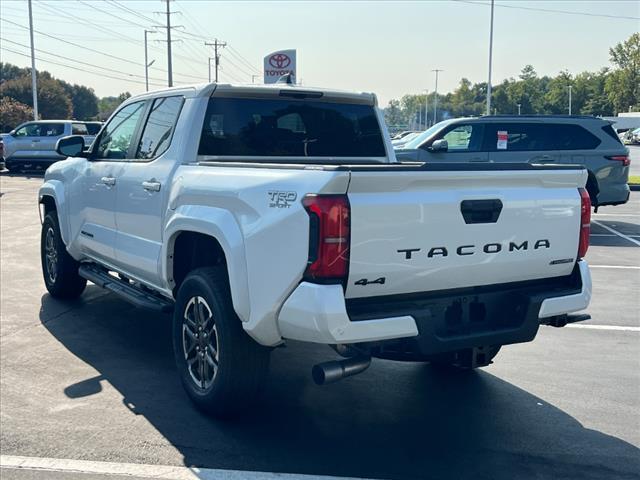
(290, 128)
(525, 137)
(79, 129)
(93, 128)
(608, 129)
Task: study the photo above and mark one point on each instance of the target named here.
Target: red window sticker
(503, 137)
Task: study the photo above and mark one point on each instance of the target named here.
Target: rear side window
(608, 129)
(290, 128)
(159, 128)
(526, 137)
(41, 130)
(79, 129)
(93, 128)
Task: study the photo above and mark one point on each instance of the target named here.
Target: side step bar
(131, 293)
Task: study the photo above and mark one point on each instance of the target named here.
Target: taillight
(585, 222)
(624, 159)
(329, 237)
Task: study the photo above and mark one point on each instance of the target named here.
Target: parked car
(583, 140)
(631, 137)
(261, 214)
(401, 135)
(32, 144)
(403, 141)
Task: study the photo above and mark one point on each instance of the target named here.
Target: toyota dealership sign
(279, 63)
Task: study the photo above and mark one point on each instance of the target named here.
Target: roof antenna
(287, 79)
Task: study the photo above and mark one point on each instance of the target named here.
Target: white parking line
(632, 267)
(617, 214)
(622, 235)
(163, 472)
(605, 327)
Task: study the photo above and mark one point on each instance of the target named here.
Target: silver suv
(584, 140)
(32, 145)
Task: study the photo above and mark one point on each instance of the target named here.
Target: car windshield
(290, 128)
(419, 139)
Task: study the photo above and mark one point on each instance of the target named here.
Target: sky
(389, 48)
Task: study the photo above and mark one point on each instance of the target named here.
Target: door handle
(108, 181)
(151, 186)
(544, 158)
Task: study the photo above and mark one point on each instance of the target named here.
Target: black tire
(59, 269)
(463, 360)
(241, 364)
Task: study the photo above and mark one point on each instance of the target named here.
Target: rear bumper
(438, 322)
(614, 194)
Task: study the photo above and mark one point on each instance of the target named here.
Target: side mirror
(439, 146)
(71, 146)
(12, 133)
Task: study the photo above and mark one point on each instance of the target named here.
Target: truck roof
(229, 89)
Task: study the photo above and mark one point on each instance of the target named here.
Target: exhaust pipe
(329, 372)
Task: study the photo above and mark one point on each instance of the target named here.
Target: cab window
(463, 138)
(159, 128)
(117, 135)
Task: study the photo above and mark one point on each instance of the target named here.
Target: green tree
(623, 84)
(53, 101)
(83, 99)
(107, 105)
(13, 113)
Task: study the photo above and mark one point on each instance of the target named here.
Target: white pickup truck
(264, 214)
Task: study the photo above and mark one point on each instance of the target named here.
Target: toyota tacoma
(259, 215)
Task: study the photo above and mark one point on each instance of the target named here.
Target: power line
(92, 49)
(242, 59)
(77, 61)
(101, 74)
(548, 10)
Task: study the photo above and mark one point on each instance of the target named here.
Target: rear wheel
(59, 269)
(221, 367)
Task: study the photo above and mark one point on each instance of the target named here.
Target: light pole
(519, 105)
(34, 81)
(490, 59)
(435, 98)
(146, 60)
(570, 87)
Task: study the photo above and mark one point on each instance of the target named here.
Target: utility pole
(169, 64)
(253, 78)
(519, 105)
(435, 98)
(147, 64)
(490, 61)
(34, 81)
(216, 56)
(169, 27)
(210, 58)
(570, 87)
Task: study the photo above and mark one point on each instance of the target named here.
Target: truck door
(143, 189)
(97, 230)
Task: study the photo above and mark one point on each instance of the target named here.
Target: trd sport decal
(279, 199)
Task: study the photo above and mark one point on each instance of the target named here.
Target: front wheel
(220, 366)
(59, 269)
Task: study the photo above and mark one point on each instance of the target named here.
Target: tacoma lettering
(464, 250)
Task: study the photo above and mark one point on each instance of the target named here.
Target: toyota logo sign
(278, 64)
(279, 60)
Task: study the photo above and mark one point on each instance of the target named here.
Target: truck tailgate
(418, 230)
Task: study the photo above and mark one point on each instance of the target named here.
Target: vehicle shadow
(394, 421)
(24, 174)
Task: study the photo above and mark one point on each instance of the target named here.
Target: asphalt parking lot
(92, 381)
